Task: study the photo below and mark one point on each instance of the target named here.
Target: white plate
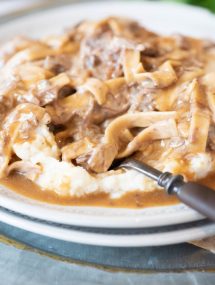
(97, 217)
(161, 17)
(121, 238)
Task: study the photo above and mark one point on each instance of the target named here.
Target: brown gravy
(135, 199)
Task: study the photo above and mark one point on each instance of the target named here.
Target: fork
(196, 196)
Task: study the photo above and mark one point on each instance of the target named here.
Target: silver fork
(197, 196)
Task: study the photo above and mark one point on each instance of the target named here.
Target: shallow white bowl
(161, 17)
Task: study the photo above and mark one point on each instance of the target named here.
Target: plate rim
(47, 5)
(97, 239)
(85, 216)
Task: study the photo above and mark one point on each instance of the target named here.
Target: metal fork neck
(164, 179)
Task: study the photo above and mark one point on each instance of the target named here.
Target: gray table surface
(20, 267)
(31, 259)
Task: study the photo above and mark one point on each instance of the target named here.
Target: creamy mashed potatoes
(68, 179)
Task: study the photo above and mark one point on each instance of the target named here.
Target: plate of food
(84, 86)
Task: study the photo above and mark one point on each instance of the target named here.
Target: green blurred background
(210, 4)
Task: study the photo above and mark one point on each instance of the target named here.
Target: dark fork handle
(197, 196)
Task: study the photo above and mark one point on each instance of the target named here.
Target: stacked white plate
(105, 226)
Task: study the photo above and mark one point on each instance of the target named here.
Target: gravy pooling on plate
(74, 103)
(134, 199)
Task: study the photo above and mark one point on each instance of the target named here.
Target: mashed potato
(67, 179)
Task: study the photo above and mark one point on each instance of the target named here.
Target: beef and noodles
(73, 104)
